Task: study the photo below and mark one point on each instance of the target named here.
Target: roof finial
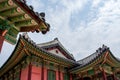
(25, 35)
(56, 39)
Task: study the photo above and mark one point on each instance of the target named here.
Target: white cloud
(87, 37)
(84, 39)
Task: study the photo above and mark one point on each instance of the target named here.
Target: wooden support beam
(12, 12)
(29, 71)
(6, 4)
(2, 1)
(25, 23)
(104, 74)
(28, 28)
(19, 18)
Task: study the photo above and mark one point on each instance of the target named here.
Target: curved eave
(87, 66)
(56, 43)
(110, 59)
(15, 57)
(33, 48)
(113, 60)
(31, 13)
(21, 16)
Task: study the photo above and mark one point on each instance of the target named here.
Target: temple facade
(51, 61)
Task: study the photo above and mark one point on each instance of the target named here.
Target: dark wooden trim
(42, 74)
(29, 71)
(20, 71)
(59, 72)
(1, 42)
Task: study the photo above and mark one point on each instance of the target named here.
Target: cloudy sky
(82, 26)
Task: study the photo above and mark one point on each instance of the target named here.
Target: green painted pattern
(10, 39)
(13, 32)
(17, 18)
(10, 12)
(23, 23)
(91, 72)
(51, 66)
(4, 4)
(66, 76)
(51, 75)
(4, 25)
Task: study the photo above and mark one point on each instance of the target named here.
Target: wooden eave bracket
(24, 48)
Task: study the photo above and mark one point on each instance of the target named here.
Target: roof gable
(101, 57)
(56, 48)
(57, 52)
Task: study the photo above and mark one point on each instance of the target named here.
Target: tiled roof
(38, 17)
(92, 57)
(53, 43)
(26, 37)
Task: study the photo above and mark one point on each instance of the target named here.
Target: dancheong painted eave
(102, 56)
(16, 16)
(26, 47)
(27, 53)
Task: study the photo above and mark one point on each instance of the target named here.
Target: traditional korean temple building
(51, 61)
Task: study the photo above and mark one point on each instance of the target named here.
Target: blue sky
(82, 26)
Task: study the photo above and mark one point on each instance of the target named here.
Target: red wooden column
(114, 78)
(45, 73)
(104, 75)
(24, 73)
(2, 34)
(61, 75)
(71, 77)
(95, 74)
(57, 75)
(36, 72)
(29, 71)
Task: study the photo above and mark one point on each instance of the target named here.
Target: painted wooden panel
(36, 73)
(66, 76)
(24, 73)
(57, 52)
(51, 75)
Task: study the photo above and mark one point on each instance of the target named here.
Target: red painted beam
(104, 75)
(1, 42)
(2, 34)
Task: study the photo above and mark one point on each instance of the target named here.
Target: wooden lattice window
(66, 76)
(51, 75)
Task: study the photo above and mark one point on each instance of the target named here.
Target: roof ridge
(99, 51)
(26, 37)
(53, 41)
